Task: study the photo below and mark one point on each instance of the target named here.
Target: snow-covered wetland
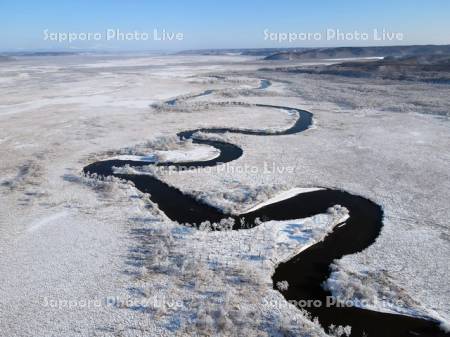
(83, 255)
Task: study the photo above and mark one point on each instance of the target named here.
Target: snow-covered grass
(186, 153)
(222, 278)
(383, 96)
(397, 159)
(64, 236)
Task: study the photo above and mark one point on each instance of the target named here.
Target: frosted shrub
(237, 199)
(282, 285)
(339, 330)
(337, 211)
(163, 143)
(205, 226)
(127, 169)
(225, 224)
(210, 136)
(105, 185)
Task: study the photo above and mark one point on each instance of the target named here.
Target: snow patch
(195, 153)
(283, 196)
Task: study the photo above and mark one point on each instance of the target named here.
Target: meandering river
(307, 271)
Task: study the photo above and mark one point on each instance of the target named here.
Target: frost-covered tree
(282, 285)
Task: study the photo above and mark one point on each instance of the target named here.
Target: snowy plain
(69, 244)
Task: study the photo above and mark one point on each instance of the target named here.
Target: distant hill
(353, 52)
(425, 68)
(47, 53)
(5, 58)
(240, 51)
